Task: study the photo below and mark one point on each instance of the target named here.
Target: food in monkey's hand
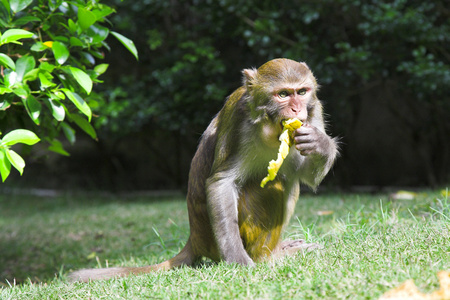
(286, 140)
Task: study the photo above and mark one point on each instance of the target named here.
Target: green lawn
(371, 244)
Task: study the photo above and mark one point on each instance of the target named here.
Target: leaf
(79, 103)
(59, 95)
(4, 104)
(53, 5)
(98, 33)
(5, 165)
(46, 66)
(16, 160)
(21, 92)
(69, 132)
(7, 61)
(101, 13)
(325, 212)
(33, 108)
(101, 68)
(408, 290)
(403, 195)
(39, 47)
(13, 35)
(86, 18)
(84, 125)
(57, 147)
(6, 5)
(60, 51)
(23, 136)
(72, 26)
(19, 5)
(58, 111)
(82, 78)
(97, 53)
(10, 79)
(23, 66)
(74, 42)
(45, 81)
(127, 43)
(87, 58)
(31, 75)
(26, 19)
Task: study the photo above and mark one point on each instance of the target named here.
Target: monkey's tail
(185, 257)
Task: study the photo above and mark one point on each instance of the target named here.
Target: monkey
(231, 217)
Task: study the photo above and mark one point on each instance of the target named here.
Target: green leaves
(57, 108)
(19, 5)
(86, 18)
(48, 73)
(85, 125)
(127, 43)
(61, 52)
(24, 65)
(33, 108)
(82, 78)
(19, 136)
(13, 35)
(6, 61)
(9, 157)
(79, 103)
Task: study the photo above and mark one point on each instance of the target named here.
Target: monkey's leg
(222, 198)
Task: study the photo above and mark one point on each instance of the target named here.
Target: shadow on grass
(42, 237)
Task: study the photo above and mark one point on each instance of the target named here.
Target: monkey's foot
(292, 246)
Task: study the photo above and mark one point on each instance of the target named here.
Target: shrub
(49, 62)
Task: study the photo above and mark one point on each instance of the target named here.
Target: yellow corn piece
(292, 124)
(286, 140)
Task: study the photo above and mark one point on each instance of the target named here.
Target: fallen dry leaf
(403, 195)
(409, 291)
(325, 212)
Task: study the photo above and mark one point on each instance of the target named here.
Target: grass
(371, 244)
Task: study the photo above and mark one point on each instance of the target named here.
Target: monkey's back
(202, 236)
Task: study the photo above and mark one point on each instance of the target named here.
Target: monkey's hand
(319, 151)
(311, 141)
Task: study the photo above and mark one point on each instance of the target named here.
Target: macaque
(231, 217)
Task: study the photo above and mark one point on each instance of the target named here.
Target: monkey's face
(293, 100)
(281, 89)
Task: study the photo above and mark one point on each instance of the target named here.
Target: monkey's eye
(302, 91)
(283, 94)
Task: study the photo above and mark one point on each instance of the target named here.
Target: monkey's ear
(249, 77)
(303, 63)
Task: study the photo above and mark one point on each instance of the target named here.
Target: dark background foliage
(383, 67)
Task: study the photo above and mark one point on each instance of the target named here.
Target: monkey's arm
(319, 151)
(222, 200)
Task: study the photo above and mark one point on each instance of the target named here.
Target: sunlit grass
(371, 244)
